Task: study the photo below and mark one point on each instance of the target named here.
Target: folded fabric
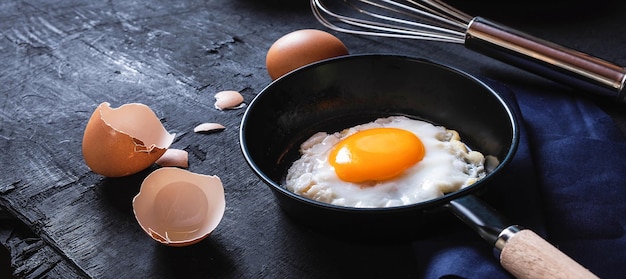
(579, 156)
(566, 183)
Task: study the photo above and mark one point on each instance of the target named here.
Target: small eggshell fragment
(300, 48)
(228, 99)
(177, 207)
(123, 141)
(174, 158)
(208, 128)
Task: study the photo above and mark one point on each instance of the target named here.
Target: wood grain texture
(527, 255)
(61, 58)
(32, 256)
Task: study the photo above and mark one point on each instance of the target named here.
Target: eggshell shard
(228, 100)
(177, 207)
(208, 128)
(300, 48)
(174, 158)
(123, 141)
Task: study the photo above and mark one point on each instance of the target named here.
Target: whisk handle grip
(547, 59)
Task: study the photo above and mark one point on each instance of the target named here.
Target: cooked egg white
(392, 177)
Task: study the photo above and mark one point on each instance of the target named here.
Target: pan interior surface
(335, 94)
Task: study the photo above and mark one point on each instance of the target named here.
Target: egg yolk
(376, 154)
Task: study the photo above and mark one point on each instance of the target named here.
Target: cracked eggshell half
(123, 141)
(177, 207)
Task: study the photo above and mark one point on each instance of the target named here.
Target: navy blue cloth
(567, 182)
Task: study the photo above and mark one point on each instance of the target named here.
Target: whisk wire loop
(410, 19)
(403, 21)
(445, 10)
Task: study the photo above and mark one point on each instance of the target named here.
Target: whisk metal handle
(547, 59)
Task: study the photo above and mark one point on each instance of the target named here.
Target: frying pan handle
(547, 59)
(527, 255)
(522, 252)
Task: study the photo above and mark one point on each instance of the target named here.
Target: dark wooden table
(61, 58)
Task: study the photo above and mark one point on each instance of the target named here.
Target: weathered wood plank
(32, 257)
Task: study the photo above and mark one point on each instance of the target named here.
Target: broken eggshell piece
(177, 207)
(208, 128)
(174, 158)
(123, 141)
(228, 99)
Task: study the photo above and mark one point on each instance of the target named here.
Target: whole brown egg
(300, 48)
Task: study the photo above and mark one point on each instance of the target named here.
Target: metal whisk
(435, 20)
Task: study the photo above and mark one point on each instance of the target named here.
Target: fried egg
(389, 162)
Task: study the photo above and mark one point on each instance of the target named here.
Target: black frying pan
(339, 93)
